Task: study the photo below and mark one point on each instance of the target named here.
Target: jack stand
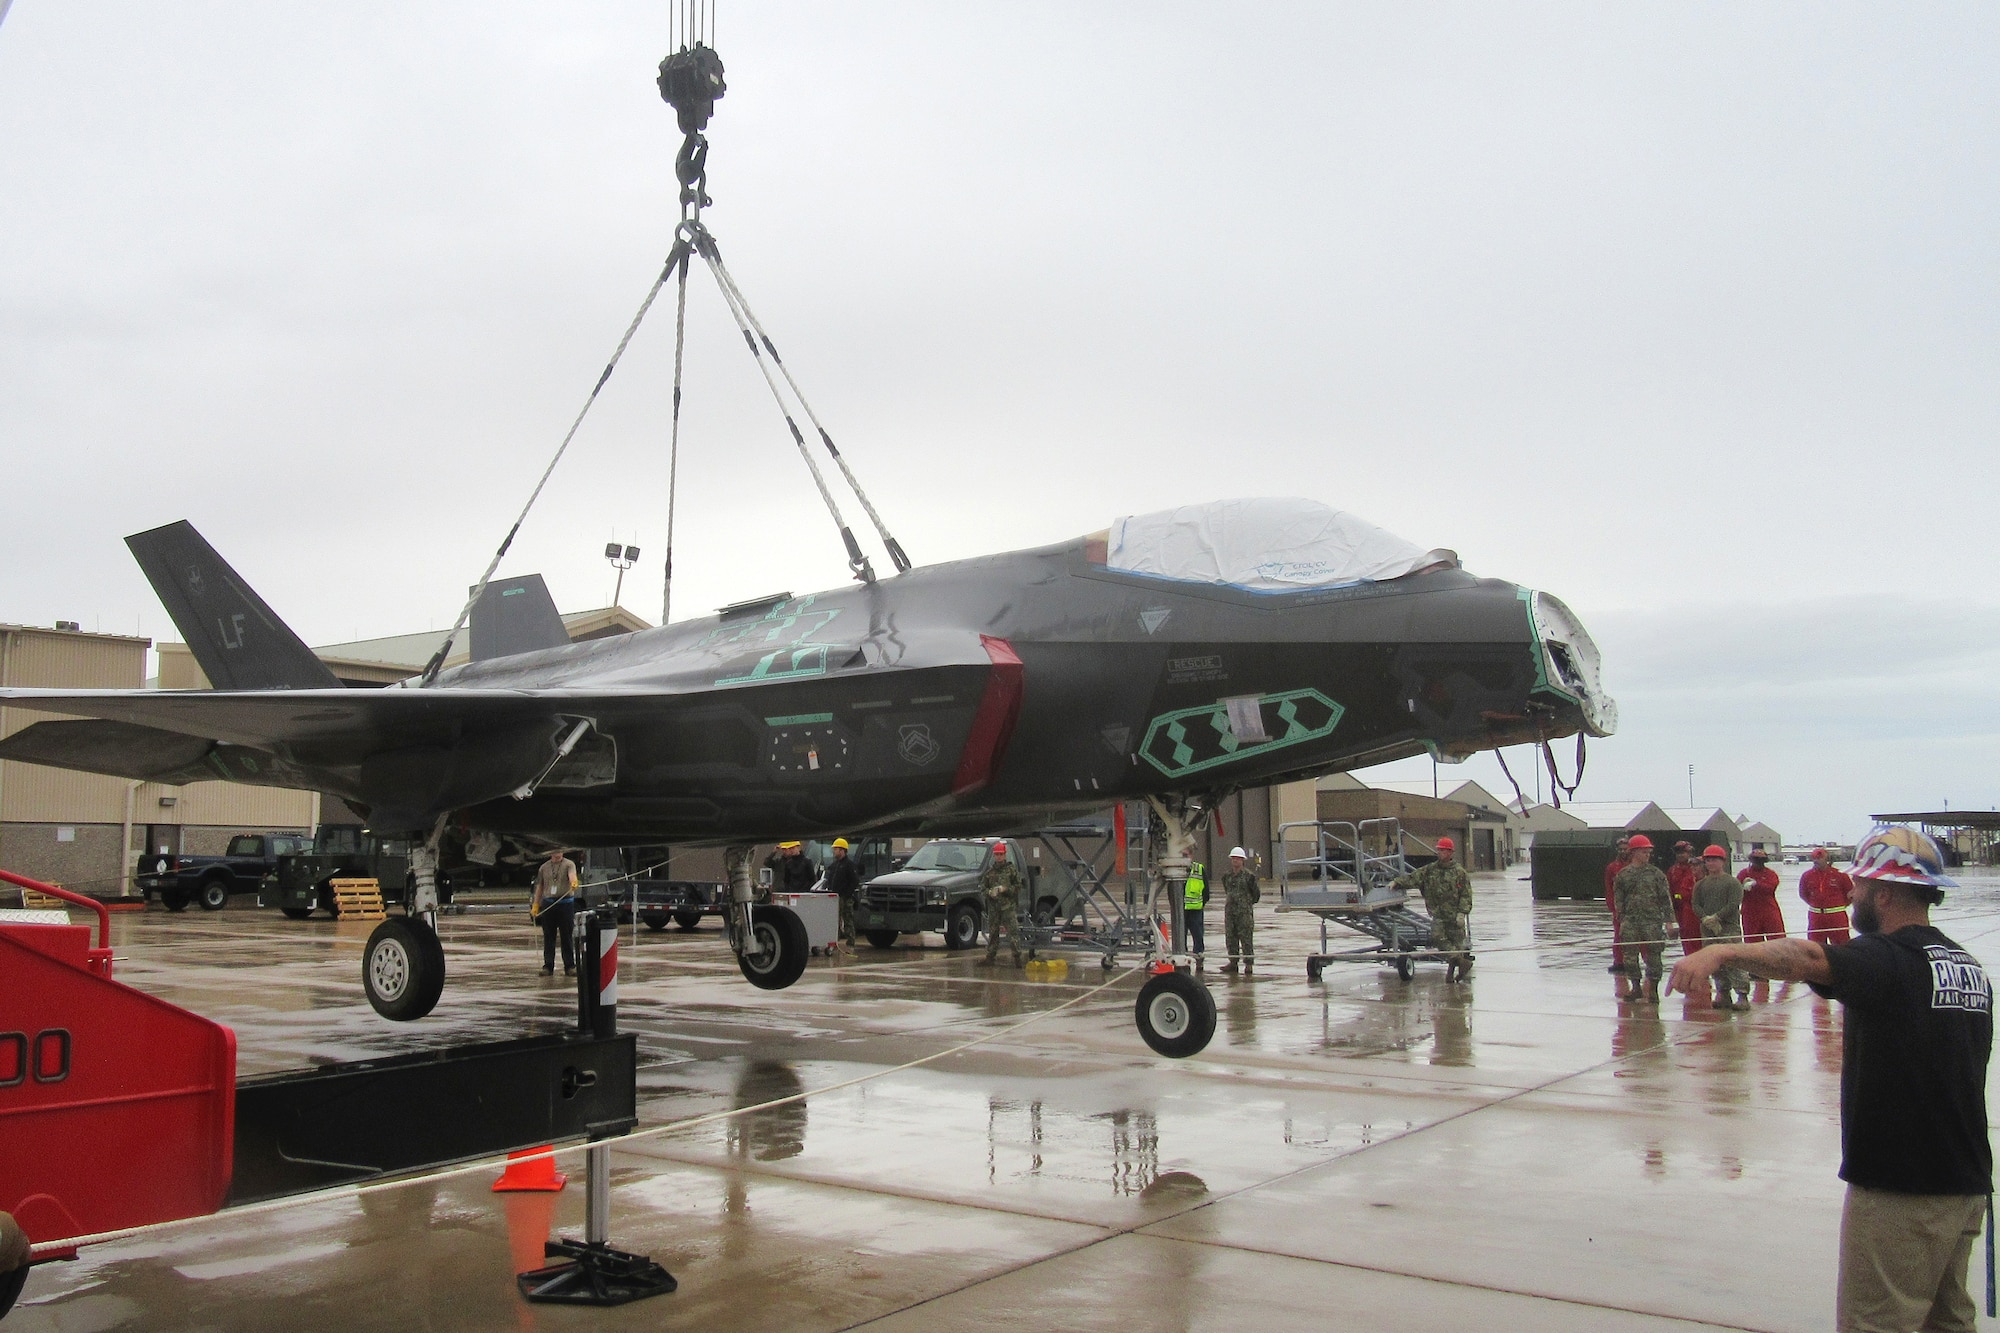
(591, 1272)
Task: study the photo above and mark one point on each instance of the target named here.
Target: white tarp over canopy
(1272, 545)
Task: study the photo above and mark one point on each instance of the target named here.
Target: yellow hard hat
(840, 843)
(783, 846)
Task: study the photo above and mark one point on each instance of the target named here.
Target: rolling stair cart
(1344, 873)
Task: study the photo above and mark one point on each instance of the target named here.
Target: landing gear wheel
(402, 969)
(687, 920)
(213, 895)
(1176, 1014)
(883, 939)
(785, 948)
(297, 913)
(174, 900)
(961, 928)
(1403, 968)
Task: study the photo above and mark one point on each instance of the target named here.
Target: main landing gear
(770, 942)
(402, 969)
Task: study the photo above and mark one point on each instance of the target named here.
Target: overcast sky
(1686, 314)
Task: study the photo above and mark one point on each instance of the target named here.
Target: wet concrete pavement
(1523, 1150)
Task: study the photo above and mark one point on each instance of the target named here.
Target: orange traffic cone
(537, 1173)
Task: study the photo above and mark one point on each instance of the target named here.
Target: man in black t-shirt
(1917, 1036)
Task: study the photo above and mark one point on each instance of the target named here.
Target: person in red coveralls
(1825, 891)
(1761, 918)
(1617, 863)
(1681, 877)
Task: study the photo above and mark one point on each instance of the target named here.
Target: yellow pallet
(358, 898)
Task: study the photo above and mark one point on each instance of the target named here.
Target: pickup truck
(301, 880)
(936, 889)
(209, 880)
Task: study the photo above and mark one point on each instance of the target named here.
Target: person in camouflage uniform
(1718, 902)
(1239, 883)
(1447, 894)
(1645, 917)
(1000, 886)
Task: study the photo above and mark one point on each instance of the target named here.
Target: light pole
(1690, 786)
(622, 558)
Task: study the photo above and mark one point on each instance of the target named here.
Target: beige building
(86, 832)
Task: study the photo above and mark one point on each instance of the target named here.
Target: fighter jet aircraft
(1173, 657)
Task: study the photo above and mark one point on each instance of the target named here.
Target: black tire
(782, 960)
(1176, 1014)
(402, 969)
(297, 913)
(961, 927)
(654, 920)
(213, 895)
(883, 939)
(1045, 911)
(688, 920)
(327, 900)
(1404, 969)
(1313, 966)
(174, 900)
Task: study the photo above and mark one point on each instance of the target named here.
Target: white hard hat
(1238, 851)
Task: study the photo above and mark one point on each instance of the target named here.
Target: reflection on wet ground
(1523, 1150)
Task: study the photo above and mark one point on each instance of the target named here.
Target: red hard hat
(1447, 845)
(999, 849)
(1819, 854)
(1638, 841)
(1714, 852)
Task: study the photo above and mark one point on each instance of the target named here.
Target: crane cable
(734, 293)
(676, 257)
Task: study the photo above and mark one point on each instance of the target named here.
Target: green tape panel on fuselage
(1190, 740)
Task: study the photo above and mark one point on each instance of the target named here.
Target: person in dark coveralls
(554, 909)
(1914, 1049)
(1000, 887)
(844, 878)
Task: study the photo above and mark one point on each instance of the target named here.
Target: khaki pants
(1903, 1259)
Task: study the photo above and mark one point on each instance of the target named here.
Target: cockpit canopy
(1268, 545)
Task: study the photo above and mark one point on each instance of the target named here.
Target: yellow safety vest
(1197, 888)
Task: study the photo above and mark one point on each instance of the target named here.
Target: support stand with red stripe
(590, 1271)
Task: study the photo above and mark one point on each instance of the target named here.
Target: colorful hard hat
(841, 843)
(786, 846)
(1821, 854)
(1901, 855)
(1683, 845)
(1639, 841)
(1238, 851)
(1714, 853)
(999, 849)
(1447, 845)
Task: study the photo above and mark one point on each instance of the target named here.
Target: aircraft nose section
(1570, 664)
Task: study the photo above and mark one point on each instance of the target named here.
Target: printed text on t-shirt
(1957, 980)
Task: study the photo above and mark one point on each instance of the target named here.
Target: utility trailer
(1079, 907)
(1345, 875)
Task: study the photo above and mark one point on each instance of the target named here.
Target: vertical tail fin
(516, 615)
(238, 640)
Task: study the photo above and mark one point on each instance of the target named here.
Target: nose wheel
(1176, 1014)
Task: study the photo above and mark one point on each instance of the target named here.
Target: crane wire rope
(444, 649)
(732, 291)
(704, 245)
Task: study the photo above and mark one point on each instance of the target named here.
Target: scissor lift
(1345, 874)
